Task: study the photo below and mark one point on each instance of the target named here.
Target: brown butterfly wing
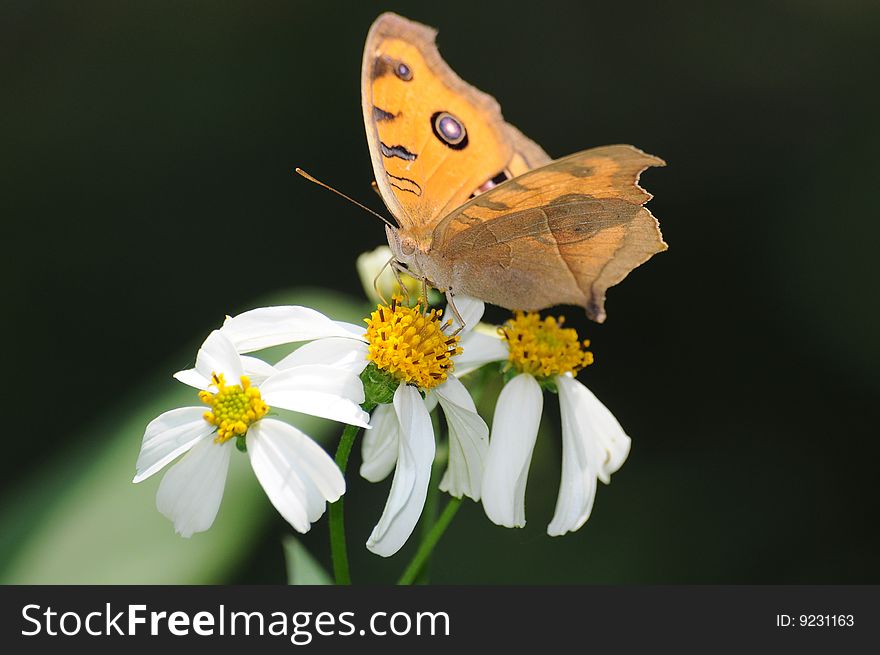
(424, 168)
(559, 234)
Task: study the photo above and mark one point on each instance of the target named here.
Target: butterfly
(481, 209)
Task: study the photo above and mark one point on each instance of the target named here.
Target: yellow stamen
(410, 345)
(233, 407)
(542, 347)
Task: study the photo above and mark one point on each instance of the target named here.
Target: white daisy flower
(296, 473)
(418, 353)
(594, 446)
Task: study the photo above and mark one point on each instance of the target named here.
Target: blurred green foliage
(302, 567)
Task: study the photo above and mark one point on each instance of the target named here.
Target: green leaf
(302, 567)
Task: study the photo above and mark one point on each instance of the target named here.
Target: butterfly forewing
(434, 139)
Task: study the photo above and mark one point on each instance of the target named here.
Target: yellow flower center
(233, 407)
(542, 347)
(410, 345)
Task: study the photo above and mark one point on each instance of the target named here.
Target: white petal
(168, 436)
(296, 473)
(256, 369)
(479, 349)
(514, 431)
(468, 441)
(192, 378)
(470, 309)
(272, 326)
(411, 476)
(218, 355)
(581, 457)
(191, 491)
(598, 421)
(348, 354)
(322, 391)
(352, 330)
(379, 445)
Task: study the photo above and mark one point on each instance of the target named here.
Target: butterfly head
(406, 249)
(403, 246)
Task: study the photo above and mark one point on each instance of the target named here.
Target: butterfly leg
(451, 303)
(378, 275)
(397, 269)
(424, 297)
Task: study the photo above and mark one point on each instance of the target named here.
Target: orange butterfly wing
(434, 139)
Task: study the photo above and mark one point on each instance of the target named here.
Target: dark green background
(146, 192)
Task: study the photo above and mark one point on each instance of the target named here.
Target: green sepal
(508, 372)
(548, 384)
(240, 443)
(379, 386)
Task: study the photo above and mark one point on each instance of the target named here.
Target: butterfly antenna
(339, 193)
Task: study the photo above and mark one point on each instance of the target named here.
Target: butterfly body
(481, 209)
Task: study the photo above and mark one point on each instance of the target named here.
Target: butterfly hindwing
(559, 234)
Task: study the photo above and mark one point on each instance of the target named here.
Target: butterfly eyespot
(403, 71)
(449, 130)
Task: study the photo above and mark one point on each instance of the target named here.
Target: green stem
(429, 514)
(427, 545)
(338, 549)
